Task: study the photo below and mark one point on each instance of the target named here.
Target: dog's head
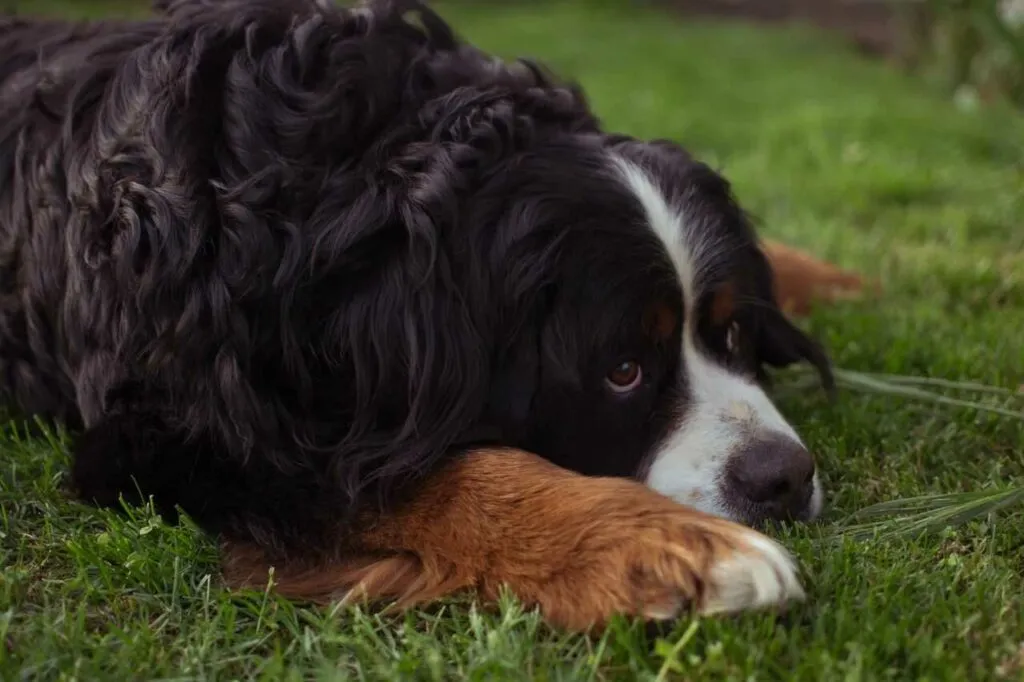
(651, 318)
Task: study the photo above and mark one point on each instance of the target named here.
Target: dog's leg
(580, 548)
(801, 280)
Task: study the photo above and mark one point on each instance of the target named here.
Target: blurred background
(972, 48)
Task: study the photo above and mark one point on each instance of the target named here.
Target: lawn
(833, 153)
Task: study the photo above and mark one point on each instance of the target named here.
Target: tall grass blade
(909, 387)
(917, 516)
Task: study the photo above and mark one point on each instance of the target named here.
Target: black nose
(775, 475)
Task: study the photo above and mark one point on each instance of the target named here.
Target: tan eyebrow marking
(723, 304)
(660, 321)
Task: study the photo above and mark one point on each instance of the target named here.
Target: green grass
(835, 154)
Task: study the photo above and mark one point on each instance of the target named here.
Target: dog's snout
(775, 475)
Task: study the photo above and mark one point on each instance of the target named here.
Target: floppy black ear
(777, 341)
(517, 374)
(515, 383)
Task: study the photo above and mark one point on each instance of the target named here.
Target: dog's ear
(515, 382)
(776, 341)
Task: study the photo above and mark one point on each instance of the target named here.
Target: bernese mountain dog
(391, 316)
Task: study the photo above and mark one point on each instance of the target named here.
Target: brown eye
(625, 377)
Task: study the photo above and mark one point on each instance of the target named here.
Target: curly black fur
(276, 258)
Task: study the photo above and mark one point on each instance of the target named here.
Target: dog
(393, 317)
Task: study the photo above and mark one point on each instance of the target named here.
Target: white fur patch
(762, 576)
(757, 574)
(724, 409)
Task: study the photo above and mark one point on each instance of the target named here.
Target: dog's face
(645, 350)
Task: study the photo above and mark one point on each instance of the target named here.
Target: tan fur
(582, 549)
(801, 280)
(723, 304)
(660, 321)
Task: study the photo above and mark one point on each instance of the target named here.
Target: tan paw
(649, 557)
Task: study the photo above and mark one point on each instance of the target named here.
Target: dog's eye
(625, 377)
(732, 338)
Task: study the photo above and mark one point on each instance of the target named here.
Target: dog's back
(45, 53)
(51, 73)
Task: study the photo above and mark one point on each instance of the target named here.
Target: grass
(836, 154)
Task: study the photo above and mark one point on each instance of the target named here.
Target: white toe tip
(762, 575)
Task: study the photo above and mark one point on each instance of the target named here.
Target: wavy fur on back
(207, 202)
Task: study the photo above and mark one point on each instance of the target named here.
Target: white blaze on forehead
(723, 411)
(684, 248)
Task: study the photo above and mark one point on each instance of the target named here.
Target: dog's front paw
(644, 555)
(581, 549)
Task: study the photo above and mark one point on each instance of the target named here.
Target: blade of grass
(858, 380)
(939, 512)
(969, 386)
(919, 504)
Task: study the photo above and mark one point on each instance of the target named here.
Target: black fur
(275, 260)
